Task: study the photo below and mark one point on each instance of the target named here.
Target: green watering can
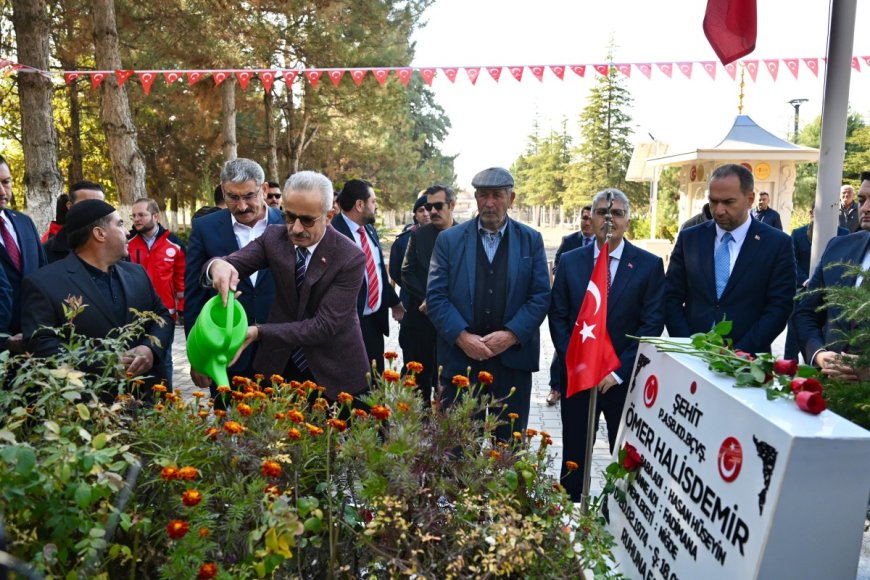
(216, 336)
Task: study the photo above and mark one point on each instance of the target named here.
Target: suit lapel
(317, 266)
(856, 257)
(624, 271)
(90, 293)
(707, 239)
(748, 251)
(514, 245)
(471, 258)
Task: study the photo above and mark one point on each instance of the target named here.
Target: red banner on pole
(731, 27)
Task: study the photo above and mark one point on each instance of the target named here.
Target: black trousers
(418, 340)
(575, 421)
(373, 337)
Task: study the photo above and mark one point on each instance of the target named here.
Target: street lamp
(796, 103)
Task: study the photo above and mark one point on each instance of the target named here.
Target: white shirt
(376, 255)
(613, 264)
(865, 265)
(5, 217)
(739, 235)
(310, 252)
(247, 234)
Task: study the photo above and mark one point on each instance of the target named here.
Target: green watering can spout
(216, 336)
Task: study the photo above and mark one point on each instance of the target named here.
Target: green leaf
(511, 478)
(757, 373)
(313, 525)
(83, 495)
(100, 440)
(25, 461)
(83, 411)
(85, 435)
(723, 328)
(97, 533)
(7, 435)
(52, 427)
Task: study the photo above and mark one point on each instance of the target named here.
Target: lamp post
(796, 103)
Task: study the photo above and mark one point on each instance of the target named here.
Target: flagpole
(593, 392)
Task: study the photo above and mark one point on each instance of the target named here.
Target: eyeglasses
(273, 195)
(248, 197)
(618, 213)
(437, 206)
(306, 221)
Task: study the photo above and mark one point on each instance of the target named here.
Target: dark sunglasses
(273, 195)
(438, 205)
(618, 213)
(306, 221)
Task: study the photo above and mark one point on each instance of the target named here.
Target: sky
(491, 121)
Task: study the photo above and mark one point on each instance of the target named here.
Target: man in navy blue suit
(244, 186)
(358, 207)
(488, 293)
(20, 252)
(634, 307)
(819, 333)
(732, 267)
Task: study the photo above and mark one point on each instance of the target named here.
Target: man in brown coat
(313, 331)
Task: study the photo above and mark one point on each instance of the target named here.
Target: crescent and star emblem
(587, 331)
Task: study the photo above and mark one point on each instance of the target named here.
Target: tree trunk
(271, 138)
(228, 124)
(128, 165)
(42, 179)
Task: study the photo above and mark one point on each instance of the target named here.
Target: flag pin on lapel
(630, 265)
(323, 259)
(757, 237)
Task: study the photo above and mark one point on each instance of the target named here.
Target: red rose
(785, 367)
(811, 402)
(809, 385)
(633, 459)
(744, 354)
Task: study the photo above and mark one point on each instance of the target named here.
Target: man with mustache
(243, 185)
(312, 332)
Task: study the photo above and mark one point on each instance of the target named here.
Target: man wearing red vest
(161, 253)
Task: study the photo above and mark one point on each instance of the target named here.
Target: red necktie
(11, 246)
(371, 272)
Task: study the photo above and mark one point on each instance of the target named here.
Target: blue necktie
(301, 254)
(722, 260)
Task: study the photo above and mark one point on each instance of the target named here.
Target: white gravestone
(734, 485)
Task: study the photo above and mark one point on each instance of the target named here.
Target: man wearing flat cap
(487, 295)
(108, 286)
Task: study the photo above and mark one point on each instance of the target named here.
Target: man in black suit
(634, 307)
(733, 268)
(57, 247)
(766, 214)
(21, 253)
(109, 286)
(221, 233)
(440, 202)
(358, 206)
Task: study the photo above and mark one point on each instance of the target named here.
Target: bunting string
(268, 76)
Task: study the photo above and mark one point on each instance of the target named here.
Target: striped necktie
(301, 254)
(722, 261)
(11, 246)
(371, 270)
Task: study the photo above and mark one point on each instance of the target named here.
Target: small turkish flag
(590, 355)
(731, 27)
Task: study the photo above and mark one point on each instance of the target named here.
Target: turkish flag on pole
(590, 355)
(731, 26)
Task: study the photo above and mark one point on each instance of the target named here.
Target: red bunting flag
(855, 64)
(473, 73)
(147, 79)
(381, 75)
(710, 67)
(494, 72)
(645, 68)
(193, 77)
(289, 76)
(122, 76)
(866, 60)
(97, 79)
(731, 27)
(244, 77)
(404, 75)
(666, 68)
(590, 355)
(602, 69)
(428, 74)
(219, 76)
(793, 65)
(313, 77)
(813, 65)
(772, 67)
(731, 69)
(358, 75)
(267, 77)
(516, 72)
(335, 76)
(624, 69)
(685, 68)
(752, 68)
(70, 77)
(579, 69)
(538, 71)
(451, 73)
(559, 71)
(171, 77)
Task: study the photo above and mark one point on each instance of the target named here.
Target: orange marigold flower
(337, 424)
(237, 380)
(161, 388)
(546, 441)
(159, 407)
(272, 490)
(280, 416)
(493, 454)
(260, 395)
(244, 410)
(220, 413)
(295, 385)
(344, 398)
(460, 381)
(513, 416)
(207, 571)
(169, 473)
(295, 416)
(189, 473)
(294, 434)
(198, 394)
(177, 529)
(202, 414)
(309, 385)
(233, 428)
(212, 433)
(276, 379)
(137, 383)
(360, 413)
(191, 497)
(545, 435)
(517, 435)
(268, 391)
(485, 378)
(391, 355)
(237, 395)
(204, 532)
(380, 412)
(410, 382)
(223, 389)
(571, 466)
(414, 367)
(259, 377)
(531, 432)
(403, 407)
(270, 468)
(320, 404)
(391, 376)
(313, 430)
